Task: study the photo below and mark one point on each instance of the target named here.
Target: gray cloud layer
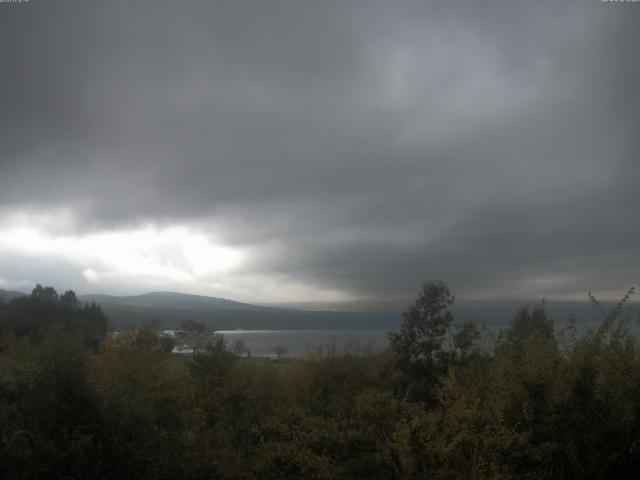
(362, 146)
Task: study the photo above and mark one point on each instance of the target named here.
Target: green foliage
(528, 326)
(536, 404)
(194, 336)
(210, 367)
(45, 392)
(419, 345)
(466, 342)
(36, 315)
(145, 402)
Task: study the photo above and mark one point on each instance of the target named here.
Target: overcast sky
(326, 151)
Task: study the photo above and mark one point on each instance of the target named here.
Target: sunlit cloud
(174, 255)
(148, 257)
(91, 275)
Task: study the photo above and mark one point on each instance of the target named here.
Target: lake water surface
(273, 343)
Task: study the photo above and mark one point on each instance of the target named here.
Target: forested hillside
(538, 402)
(169, 310)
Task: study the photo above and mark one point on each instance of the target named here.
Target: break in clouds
(293, 151)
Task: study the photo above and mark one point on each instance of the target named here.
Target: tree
(211, 365)
(44, 294)
(34, 316)
(528, 325)
(240, 348)
(70, 300)
(466, 341)
(194, 336)
(418, 344)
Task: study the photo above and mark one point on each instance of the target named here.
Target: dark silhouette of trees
(419, 344)
(34, 316)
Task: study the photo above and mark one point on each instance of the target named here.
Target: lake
(274, 343)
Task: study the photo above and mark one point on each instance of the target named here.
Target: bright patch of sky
(176, 257)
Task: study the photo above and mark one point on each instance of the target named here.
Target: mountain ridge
(173, 300)
(170, 309)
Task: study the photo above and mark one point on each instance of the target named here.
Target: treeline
(441, 402)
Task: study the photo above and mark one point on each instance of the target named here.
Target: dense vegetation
(441, 402)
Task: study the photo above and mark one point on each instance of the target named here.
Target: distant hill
(176, 301)
(7, 296)
(170, 309)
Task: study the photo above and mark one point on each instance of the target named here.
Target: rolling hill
(169, 309)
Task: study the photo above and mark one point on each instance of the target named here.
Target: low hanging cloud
(295, 151)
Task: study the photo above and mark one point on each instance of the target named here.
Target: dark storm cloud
(362, 146)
